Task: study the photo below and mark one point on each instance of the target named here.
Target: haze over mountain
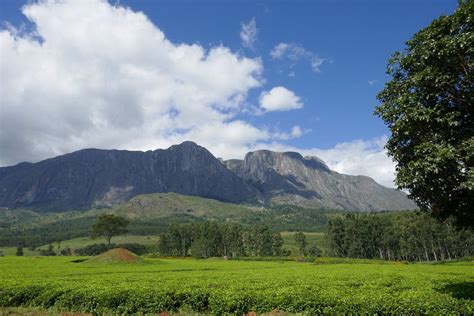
(94, 177)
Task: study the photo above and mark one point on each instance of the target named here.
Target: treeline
(45, 233)
(411, 236)
(211, 239)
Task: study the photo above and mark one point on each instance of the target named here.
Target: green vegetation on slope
(220, 286)
(167, 204)
(151, 214)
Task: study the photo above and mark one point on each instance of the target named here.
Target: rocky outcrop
(287, 177)
(93, 177)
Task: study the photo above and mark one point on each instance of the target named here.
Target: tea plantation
(217, 286)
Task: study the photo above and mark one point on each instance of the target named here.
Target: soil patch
(117, 255)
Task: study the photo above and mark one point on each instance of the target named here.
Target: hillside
(97, 178)
(150, 214)
(289, 178)
(93, 178)
(170, 204)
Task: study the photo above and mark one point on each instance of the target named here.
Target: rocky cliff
(94, 178)
(287, 177)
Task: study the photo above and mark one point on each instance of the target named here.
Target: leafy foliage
(157, 213)
(210, 239)
(109, 225)
(404, 236)
(428, 106)
(236, 287)
(300, 239)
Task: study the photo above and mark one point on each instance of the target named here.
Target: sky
(233, 76)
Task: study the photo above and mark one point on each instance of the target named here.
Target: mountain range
(102, 178)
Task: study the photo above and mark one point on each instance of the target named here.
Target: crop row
(220, 287)
(125, 301)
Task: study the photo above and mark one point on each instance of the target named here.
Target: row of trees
(210, 239)
(404, 236)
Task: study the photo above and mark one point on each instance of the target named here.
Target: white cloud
(95, 75)
(372, 82)
(294, 53)
(280, 99)
(248, 33)
(296, 131)
(279, 50)
(361, 157)
(316, 63)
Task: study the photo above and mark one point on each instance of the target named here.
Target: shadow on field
(463, 290)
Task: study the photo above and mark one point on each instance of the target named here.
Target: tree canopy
(429, 107)
(109, 225)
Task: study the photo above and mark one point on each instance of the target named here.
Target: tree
(314, 251)
(428, 106)
(108, 226)
(300, 239)
(48, 252)
(277, 244)
(19, 248)
(19, 251)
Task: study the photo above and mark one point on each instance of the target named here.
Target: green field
(219, 286)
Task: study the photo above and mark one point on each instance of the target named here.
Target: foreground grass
(218, 286)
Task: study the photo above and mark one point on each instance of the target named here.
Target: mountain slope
(96, 178)
(171, 204)
(93, 177)
(287, 177)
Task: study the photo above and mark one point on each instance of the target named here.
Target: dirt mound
(116, 255)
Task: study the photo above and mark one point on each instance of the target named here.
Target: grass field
(219, 286)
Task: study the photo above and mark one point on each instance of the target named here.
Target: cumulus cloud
(295, 132)
(248, 33)
(91, 74)
(280, 99)
(361, 157)
(294, 52)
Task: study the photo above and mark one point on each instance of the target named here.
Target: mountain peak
(99, 177)
(290, 178)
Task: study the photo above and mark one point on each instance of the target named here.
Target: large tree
(429, 107)
(108, 226)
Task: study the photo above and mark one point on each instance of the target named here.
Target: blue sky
(328, 110)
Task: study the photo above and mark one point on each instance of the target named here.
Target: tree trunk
(434, 251)
(447, 252)
(381, 254)
(426, 253)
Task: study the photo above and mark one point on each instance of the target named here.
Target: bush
(47, 252)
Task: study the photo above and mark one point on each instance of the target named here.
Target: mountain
(95, 178)
(289, 178)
